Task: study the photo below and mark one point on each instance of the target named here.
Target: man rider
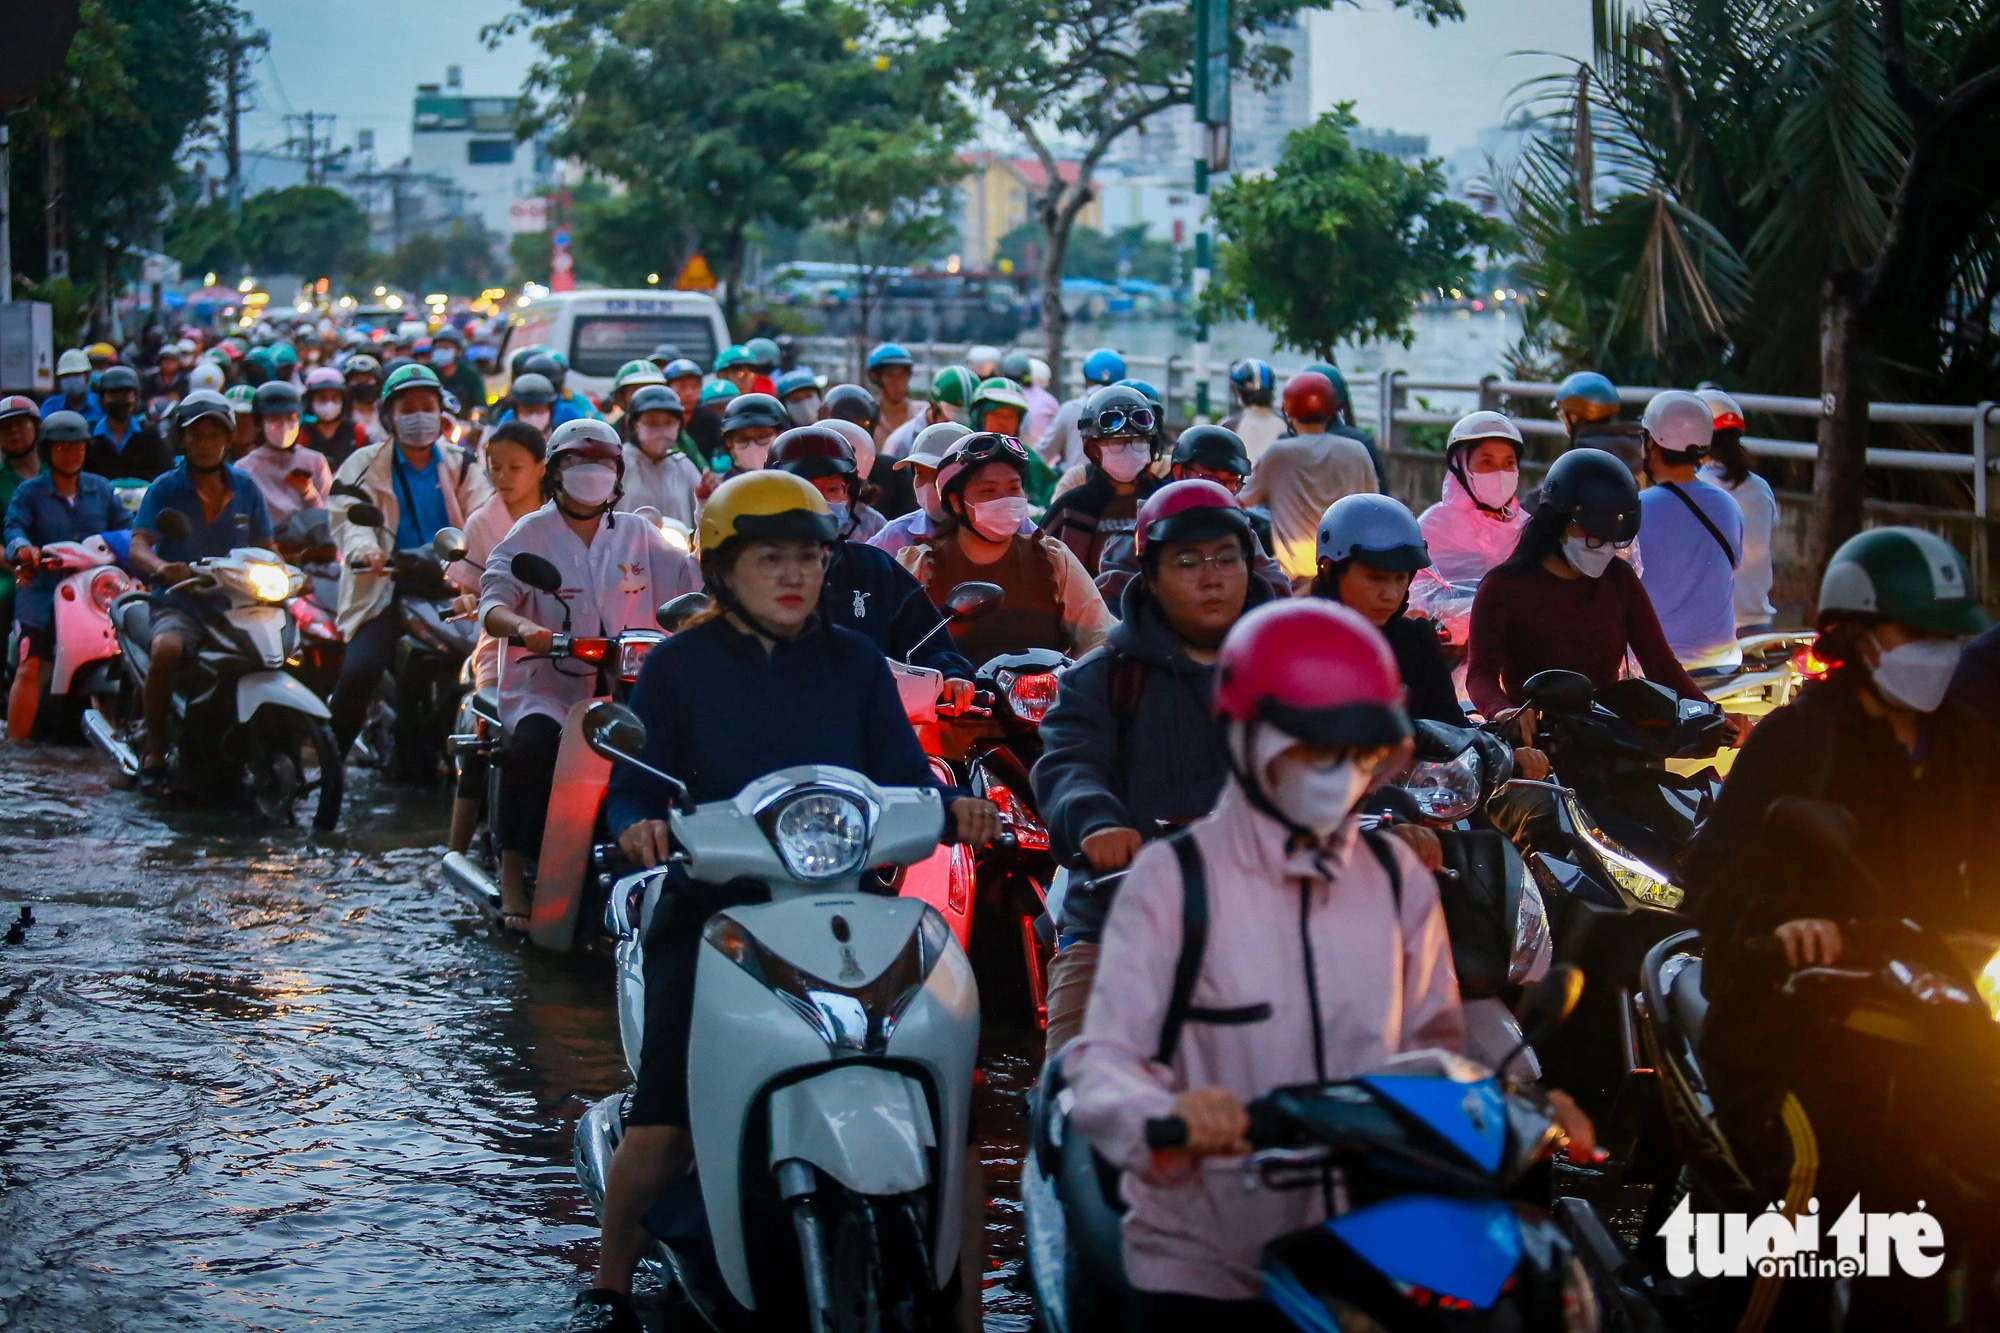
(124, 444)
(1694, 535)
(420, 483)
(764, 359)
(1478, 522)
(865, 590)
(1050, 601)
(734, 364)
(530, 400)
(889, 368)
(1061, 446)
(73, 392)
(1117, 426)
(615, 574)
(65, 504)
(456, 373)
(798, 390)
(1299, 476)
(1202, 453)
(224, 510)
(1255, 420)
(364, 389)
(1128, 748)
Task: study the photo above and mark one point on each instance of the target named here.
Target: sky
(362, 61)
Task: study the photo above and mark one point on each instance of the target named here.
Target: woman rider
(1918, 773)
(1050, 600)
(1478, 522)
(761, 683)
(1117, 425)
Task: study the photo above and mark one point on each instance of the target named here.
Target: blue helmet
(792, 381)
(1377, 530)
(1587, 396)
(886, 355)
(1254, 381)
(1103, 366)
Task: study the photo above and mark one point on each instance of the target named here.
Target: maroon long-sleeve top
(1534, 621)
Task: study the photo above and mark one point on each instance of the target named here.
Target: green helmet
(637, 372)
(1907, 575)
(953, 384)
(403, 378)
(284, 354)
(736, 354)
(717, 390)
(245, 394)
(997, 392)
(261, 356)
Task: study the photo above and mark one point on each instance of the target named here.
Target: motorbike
(1916, 1004)
(85, 670)
(241, 726)
(567, 884)
(409, 723)
(830, 1062)
(1427, 1163)
(307, 542)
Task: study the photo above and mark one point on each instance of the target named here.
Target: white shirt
(615, 583)
(666, 485)
(1061, 446)
(1754, 497)
(1296, 479)
(1259, 428)
(1042, 409)
(485, 529)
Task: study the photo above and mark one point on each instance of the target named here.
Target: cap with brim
(931, 452)
(1352, 726)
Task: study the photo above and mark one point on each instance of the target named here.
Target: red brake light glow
(590, 650)
(1031, 696)
(1810, 664)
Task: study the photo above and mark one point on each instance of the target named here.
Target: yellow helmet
(769, 506)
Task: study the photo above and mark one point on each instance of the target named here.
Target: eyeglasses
(1126, 421)
(1187, 562)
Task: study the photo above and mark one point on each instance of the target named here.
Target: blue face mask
(839, 512)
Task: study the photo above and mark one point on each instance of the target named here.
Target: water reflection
(248, 1081)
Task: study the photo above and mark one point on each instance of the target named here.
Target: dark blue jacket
(868, 592)
(38, 515)
(720, 712)
(1976, 683)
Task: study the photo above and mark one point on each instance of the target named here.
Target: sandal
(514, 923)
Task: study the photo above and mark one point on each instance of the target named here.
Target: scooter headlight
(821, 834)
(1446, 790)
(268, 583)
(1981, 956)
(677, 535)
(1628, 872)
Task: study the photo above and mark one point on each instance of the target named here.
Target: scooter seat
(135, 618)
(1689, 1004)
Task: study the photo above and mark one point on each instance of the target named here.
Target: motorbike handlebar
(1166, 1132)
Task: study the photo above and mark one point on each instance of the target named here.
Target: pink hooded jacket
(1465, 541)
(1385, 985)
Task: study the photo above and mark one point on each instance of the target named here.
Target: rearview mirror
(366, 515)
(614, 731)
(673, 616)
(1558, 691)
(448, 545)
(173, 523)
(970, 601)
(536, 571)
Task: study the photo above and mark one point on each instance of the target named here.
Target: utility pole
(6, 222)
(1211, 118)
(236, 47)
(309, 145)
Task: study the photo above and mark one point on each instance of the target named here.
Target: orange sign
(696, 275)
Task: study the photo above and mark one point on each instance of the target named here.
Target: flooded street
(250, 1081)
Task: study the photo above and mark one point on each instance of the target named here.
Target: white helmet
(1679, 422)
(1038, 372)
(208, 376)
(75, 361)
(1483, 426)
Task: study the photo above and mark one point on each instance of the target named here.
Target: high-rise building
(1167, 145)
(470, 142)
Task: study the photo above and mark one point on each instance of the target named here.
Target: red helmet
(1190, 511)
(1315, 670)
(1309, 396)
(16, 406)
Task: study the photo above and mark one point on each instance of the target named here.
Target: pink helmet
(1194, 510)
(1315, 670)
(325, 377)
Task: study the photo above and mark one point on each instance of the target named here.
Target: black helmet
(851, 402)
(203, 403)
(541, 363)
(1015, 367)
(748, 410)
(812, 452)
(276, 398)
(65, 428)
(532, 390)
(1214, 447)
(115, 378)
(1116, 410)
(654, 398)
(517, 360)
(1595, 489)
(663, 353)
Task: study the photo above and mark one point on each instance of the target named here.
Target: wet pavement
(254, 1080)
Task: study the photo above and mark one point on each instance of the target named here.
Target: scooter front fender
(885, 1151)
(259, 688)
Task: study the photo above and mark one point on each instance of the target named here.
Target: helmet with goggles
(973, 452)
(1116, 409)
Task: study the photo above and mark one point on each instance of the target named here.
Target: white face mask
(1124, 461)
(1587, 561)
(997, 520)
(326, 409)
(1917, 674)
(72, 384)
(927, 496)
(418, 429)
(1495, 490)
(444, 356)
(657, 439)
(281, 434)
(589, 484)
(1315, 796)
(750, 457)
(803, 411)
(539, 419)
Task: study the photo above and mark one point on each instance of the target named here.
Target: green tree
(710, 109)
(883, 198)
(1093, 254)
(1338, 243)
(1085, 71)
(104, 138)
(306, 229)
(1801, 192)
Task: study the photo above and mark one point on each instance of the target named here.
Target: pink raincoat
(1465, 540)
(1385, 985)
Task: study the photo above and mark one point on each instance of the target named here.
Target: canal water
(252, 1081)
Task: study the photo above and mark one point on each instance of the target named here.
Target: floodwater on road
(253, 1080)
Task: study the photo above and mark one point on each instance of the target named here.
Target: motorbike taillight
(1031, 696)
(1810, 664)
(1029, 835)
(314, 621)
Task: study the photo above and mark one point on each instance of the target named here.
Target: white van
(600, 331)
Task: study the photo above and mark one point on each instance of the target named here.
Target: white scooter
(831, 1060)
(86, 662)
